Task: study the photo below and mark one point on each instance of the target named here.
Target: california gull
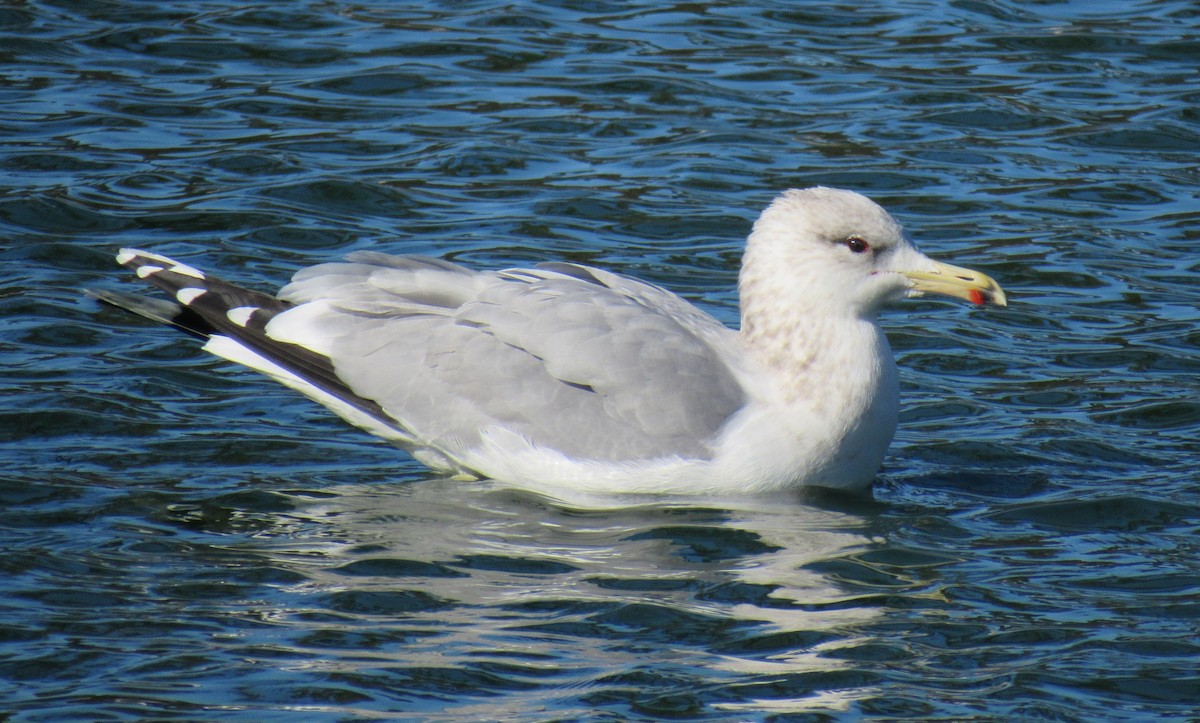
(568, 377)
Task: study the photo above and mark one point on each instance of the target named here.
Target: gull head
(836, 252)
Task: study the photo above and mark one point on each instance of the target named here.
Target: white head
(834, 252)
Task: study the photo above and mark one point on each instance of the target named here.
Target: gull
(568, 377)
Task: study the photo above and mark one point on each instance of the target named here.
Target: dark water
(182, 540)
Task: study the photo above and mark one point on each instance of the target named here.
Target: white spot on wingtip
(187, 295)
(131, 254)
(241, 315)
(185, 270)
(127, 256)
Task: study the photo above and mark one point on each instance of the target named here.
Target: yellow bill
(948, 280)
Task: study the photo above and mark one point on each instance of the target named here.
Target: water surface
(183, 540)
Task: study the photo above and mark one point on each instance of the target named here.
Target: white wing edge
(229, 348)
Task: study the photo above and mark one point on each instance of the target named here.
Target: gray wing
(589, 363)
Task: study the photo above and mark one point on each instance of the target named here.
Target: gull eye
(857, 244)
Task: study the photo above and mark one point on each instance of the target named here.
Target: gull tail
(233, 323)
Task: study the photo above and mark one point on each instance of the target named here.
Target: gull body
(567, 377)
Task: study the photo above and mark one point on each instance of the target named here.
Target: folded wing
(589, 364)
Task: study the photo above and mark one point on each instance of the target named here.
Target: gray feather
(592, 364)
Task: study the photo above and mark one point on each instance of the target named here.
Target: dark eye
(857, 244)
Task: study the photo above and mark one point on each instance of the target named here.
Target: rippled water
(184, 540)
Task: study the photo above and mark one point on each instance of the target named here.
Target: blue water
(183, 540)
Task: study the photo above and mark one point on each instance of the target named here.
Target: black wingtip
(156, 310)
